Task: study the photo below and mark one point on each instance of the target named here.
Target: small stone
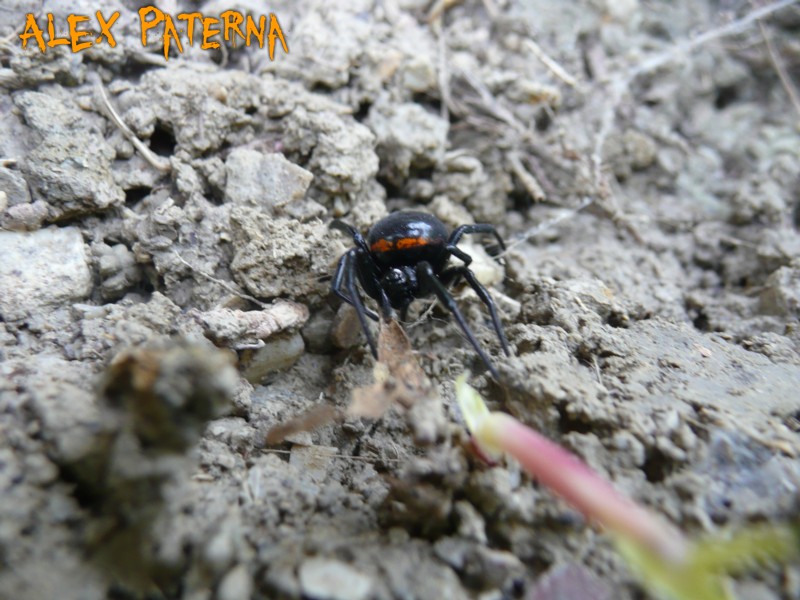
(471, 525)
(278, 353)
(278, 256)
(264, 180)
(326, 579)
(781, 293)
(14, 188)
(238, 328)
(408, 136)
(25, 217)
(41, 268)
(118, 269)
(313, 461)
(346, 331)
(570, 582)
(70, 167)
(236, 585)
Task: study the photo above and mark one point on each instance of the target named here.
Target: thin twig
(620, 84)
(540, 174)
(444, 71)
(780, 68)
(555, 68)
(224, 284)
(528, 181)
(492, 104)
(732, 28)
(353, 457)
(491, 9)
(439, 9)
(157, 162)
(597, 372)
(545, 225)
(423, 316)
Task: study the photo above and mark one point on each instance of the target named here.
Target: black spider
(405, 257)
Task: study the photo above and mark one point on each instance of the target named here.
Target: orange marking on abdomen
(403, 243)
(384, 245)
(381, 245)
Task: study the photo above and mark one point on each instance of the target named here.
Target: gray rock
(265, 181)
(408, 136)
(15, 188)
(236, 585)
(40, 269)
(70, 168)
(118, 269)
(781, 293)
(327, 579)
(279, 256)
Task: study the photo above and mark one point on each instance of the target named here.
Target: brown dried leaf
(398, 377)
(315, 417)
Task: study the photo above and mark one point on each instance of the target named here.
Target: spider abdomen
(408, 238)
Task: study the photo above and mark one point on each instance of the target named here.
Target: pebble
(236, 585)
(41, 268)
(326, 579)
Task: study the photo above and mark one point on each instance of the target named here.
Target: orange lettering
(250, 27)
(32, 31)
(51, 31)
(170, 31)
(231, 20)
(190, 18)
(209, 33)
(143, 12)
(275, 32)
(75, 34)
(105, 28)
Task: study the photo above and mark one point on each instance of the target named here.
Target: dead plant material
(529, 181)
(780, 68)
(399, 380)
(104, 104)
(314, 418)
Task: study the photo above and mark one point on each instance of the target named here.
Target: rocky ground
(162, 311)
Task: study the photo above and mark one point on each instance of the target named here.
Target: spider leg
(337, 286)
(428, 277)
(350, 284)
(453, 273)
(455, 237)
(459, 254)
(354, 233)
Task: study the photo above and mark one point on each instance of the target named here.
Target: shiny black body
(404, 257)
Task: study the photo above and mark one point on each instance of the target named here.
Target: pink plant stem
(584, 489)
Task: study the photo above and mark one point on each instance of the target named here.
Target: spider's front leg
(337, 284)
(345, 277)
(452, 274)
(455, 237)
(430, 281)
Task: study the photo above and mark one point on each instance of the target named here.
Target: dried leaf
(398, 377)
(315, 417)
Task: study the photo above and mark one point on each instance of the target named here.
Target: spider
(404, 257)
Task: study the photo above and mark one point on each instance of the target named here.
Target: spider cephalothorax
(404, 257)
